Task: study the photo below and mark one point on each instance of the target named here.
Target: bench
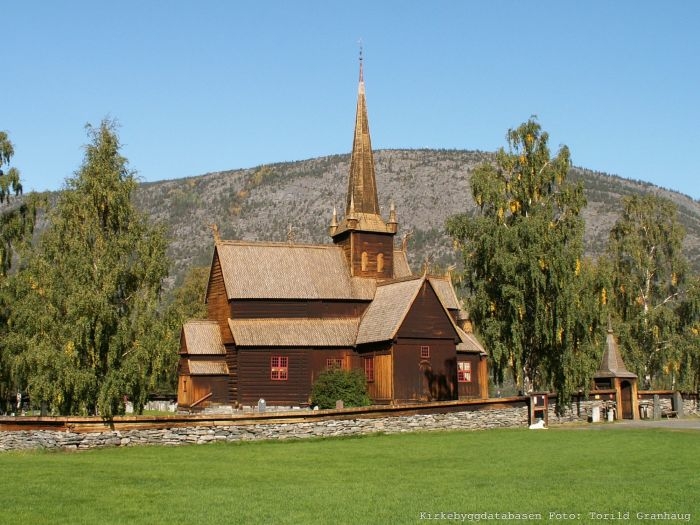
(669, 414)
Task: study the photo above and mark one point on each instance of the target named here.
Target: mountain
(295, 200)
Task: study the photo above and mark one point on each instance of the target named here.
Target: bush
(348, 385)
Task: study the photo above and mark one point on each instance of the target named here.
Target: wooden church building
(279, 314)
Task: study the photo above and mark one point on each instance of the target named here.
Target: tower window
(380, 263)
(364, 261)
(425, 352)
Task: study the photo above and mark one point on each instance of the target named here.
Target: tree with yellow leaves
(88, 297)
(526, 283)
(650, 274)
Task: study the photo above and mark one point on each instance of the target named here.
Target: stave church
(279, 314)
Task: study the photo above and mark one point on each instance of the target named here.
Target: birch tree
(90, 292)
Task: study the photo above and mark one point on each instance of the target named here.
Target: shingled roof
(612, 364)
(207, 368)
(385, 314)
(294, 332)
(446, 292)
(401, 267)
(469, 343)
(256, 270)
(203, 338)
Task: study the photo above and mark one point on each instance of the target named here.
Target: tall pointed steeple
(362, 205)
(367, 240)
(362, 185)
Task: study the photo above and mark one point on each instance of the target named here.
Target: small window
(464, 371)
(279, 368)
(380, 263)
(334, 362)
(364, 261)
(425, 352)
(369, 369)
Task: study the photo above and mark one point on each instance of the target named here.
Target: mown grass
(372, 479)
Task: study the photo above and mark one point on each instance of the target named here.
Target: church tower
(367, 240)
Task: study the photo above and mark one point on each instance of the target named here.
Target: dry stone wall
(467, 420)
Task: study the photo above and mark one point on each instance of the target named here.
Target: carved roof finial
(362, 79)
(215, 231)
(290, 234)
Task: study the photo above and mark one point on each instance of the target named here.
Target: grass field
(373, 479)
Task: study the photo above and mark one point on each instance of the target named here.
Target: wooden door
(626, 400)
(383, 383)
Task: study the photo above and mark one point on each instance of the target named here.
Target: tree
(523, 266)
(649, 277)
(187, 303)
(90, 292)
(688, 342)
(17, 219)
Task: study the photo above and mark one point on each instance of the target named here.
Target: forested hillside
(427, 186)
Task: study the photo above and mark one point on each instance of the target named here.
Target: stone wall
(467, 420)
(84, 433)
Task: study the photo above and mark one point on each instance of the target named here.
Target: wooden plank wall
(254, 380)
(419, 379)
(427, 318)
(276, 309)
(217, 300)
(473, 390)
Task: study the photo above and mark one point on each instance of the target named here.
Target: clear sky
(215, 85)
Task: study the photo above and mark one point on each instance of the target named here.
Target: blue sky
(215, 85)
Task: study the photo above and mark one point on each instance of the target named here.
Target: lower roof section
(294, 332)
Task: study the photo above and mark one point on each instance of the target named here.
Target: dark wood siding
(217, 300)
(381, 389)
(373, 244)
(232, 364)
(425, 379)
(269, 309)
(473, 389)
(427, 318)
(318, 360)
(254, 381)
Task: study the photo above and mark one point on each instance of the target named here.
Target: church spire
(362, 185)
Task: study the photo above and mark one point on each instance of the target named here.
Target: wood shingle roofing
(294, 332)
(387, 311)
(255, 270)
(207, 368)
(446, 292)
(612, 364)
(203, 338)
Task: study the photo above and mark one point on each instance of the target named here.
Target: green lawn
(374, 479)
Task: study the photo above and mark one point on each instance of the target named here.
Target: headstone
(677, 404)
(261, 405)
(657, 407)
(339, 403)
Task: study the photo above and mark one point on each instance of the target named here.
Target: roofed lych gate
(279, 314)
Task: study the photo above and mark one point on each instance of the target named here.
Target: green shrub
(350, 386)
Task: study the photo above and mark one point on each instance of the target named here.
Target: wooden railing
(201, 399)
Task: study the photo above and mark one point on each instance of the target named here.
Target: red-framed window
(369, 369)
(425, 352)
(464, 371)
(334, 362)
(279, 368)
